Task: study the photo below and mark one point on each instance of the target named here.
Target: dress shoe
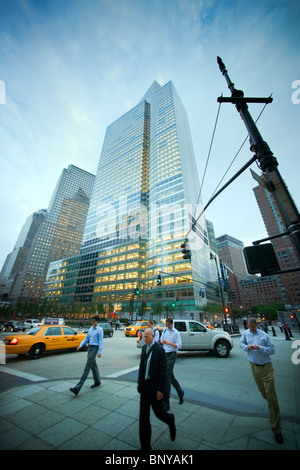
(74, 390)
(172, 428)
(181, 398)
(278, 438)
(96, 385)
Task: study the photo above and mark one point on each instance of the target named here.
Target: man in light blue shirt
(94, 338)
(259, 347)
(171, 341)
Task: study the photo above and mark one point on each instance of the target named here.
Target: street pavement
(222, 408)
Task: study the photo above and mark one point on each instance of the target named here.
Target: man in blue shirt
(95, 339)
(259, 347)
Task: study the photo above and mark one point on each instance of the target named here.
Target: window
(196, 327)
(68, 331)
(53, 331)
(180, 325)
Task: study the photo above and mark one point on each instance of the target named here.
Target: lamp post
(220, 285)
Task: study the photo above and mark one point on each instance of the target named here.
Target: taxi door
(70, 337)
(53, 338)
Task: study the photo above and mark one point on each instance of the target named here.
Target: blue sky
(71, 67)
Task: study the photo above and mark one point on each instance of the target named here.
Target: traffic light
(136, 291)
(185, 250)
(158, 280)
(226, 310)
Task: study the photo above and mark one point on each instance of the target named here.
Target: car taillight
(14, 341)
(140, 335)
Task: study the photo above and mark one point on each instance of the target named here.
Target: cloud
(71, 68)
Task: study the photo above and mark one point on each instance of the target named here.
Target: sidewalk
(217, 414)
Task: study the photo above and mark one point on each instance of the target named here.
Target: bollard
(287, 336)
(274, 333)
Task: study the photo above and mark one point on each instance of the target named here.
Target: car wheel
(36, 351)
(222, 348)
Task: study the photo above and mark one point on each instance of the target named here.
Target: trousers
(265, 381)
(171, 380)
(148, 397)
(90, 365)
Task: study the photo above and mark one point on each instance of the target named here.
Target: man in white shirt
(171, 341)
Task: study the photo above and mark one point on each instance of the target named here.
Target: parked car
(31, 323)
(108, 330)
(41, 339)
(133, 330)
(14, 326)
(197, 337)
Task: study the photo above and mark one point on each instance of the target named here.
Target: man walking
(259, 347)
(171, 341)
(151, 386)
(95, 339)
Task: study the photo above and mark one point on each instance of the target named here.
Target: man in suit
(151, 386)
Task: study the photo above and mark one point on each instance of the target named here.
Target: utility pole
(267, 162)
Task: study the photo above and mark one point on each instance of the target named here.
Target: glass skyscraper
(144, 203)
(58, 235)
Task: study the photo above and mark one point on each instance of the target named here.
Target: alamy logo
(296, 354)
(125, 221)
(296, 94)
(2, 92)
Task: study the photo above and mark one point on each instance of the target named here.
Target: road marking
(24, 375)
(122, 372)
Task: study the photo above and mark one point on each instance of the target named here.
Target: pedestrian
(151, 386)
(171, 341)
(95, 339)
(259, 347)
(156, 331)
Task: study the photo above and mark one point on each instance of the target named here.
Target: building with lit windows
(287, 255)
(144, 203)
(58, 236)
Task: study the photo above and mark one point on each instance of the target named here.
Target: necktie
(147, 363)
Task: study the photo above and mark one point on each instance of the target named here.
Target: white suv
(31, 323)
(196, 337)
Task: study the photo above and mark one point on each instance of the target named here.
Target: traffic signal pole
(268, 163)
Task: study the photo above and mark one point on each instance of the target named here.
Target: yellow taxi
(133, 330)
(43, 338)
(207, 324)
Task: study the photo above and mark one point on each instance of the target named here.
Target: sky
(69, 68)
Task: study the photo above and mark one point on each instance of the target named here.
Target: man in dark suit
(151, 386)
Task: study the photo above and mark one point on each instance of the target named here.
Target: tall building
(59, 234)
(231, 252)
(285, 250)
(142, 207)
(16, 260)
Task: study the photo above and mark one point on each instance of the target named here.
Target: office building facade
(285, 250)
(58, 236)
(143, 205)
(231, 252)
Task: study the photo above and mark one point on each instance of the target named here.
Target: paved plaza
(222, 410)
